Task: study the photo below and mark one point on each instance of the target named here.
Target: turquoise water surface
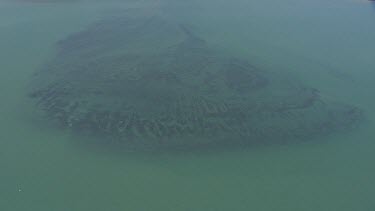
(326, 44)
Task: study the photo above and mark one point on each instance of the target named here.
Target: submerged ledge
(150, 83)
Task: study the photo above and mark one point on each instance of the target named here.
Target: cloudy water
(328, 45)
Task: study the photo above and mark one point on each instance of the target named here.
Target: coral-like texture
(150, 83)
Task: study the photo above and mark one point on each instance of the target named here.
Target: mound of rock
(150, 83)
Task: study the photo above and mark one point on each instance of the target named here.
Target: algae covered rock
(150, 83)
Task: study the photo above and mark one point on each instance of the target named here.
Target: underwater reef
(150, 83)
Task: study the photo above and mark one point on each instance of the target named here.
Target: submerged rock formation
(152, 84)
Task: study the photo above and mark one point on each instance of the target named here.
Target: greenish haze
(326, 44)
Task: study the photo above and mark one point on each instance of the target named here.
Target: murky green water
(327, 44)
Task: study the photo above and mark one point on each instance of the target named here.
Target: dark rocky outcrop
(152, 84)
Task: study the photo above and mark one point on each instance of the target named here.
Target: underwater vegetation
(151, 83)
